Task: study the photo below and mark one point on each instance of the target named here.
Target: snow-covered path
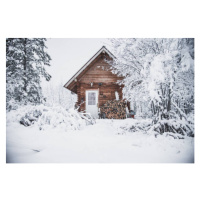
(103, 142)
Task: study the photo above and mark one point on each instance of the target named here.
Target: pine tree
(26, 59)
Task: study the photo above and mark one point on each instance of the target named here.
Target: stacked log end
(114, 109)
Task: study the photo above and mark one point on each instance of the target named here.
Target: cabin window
(91, 98)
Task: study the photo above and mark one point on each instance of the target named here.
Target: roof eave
(87, 63)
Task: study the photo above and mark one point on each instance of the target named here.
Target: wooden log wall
(106, 92)
(98, 73)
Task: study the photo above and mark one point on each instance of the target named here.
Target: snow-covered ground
(103, 142)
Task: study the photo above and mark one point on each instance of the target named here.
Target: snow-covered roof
(103, 49)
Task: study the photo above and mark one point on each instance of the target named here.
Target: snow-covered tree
(159, 77)
(26, 59)
(58, 95)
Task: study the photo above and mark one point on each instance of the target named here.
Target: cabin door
(92, 102)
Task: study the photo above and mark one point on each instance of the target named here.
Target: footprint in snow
(136, 145)
(36, 150)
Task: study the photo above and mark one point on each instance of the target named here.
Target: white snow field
(103, 142)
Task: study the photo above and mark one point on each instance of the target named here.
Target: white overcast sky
(69, 55)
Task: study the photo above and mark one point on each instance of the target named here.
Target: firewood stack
(113, 109)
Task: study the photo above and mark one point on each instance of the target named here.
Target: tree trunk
(169, 101)
(25, 65)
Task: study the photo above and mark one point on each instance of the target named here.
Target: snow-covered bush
(173, 126)
(46, 117)
(11, 105)
(176, 128)
(137, 125)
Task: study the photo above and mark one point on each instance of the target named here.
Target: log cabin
(95, 84)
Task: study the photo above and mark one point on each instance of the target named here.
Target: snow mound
(136, 125)
(146, 126)
(46, 117)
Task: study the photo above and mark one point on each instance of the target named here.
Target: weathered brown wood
(98, 71)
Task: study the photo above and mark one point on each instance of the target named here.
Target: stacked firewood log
(113, 109)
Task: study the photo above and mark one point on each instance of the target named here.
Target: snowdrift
(145, 126)
(46, 117)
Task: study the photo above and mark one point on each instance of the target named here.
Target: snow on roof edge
(87, 63)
